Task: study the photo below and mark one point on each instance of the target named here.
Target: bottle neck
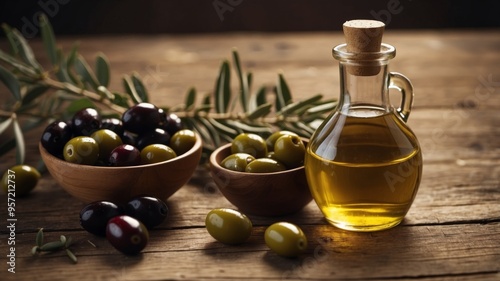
(363, 94)
(364, 80)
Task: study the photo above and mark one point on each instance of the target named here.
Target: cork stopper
(363, 36)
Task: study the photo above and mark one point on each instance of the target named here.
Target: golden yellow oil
(364, 172)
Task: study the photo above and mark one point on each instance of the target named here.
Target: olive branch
(42, 95)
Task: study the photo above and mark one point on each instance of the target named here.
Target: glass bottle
(363, 163)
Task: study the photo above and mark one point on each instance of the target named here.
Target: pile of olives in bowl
(260, 176)
(126, 226)
(145, 134)
(253, 154)
(145, 152)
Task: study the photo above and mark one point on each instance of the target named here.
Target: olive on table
(285, 239)
(271, 140)
(252, 144)
(150, 211)
(290, 150)
(85, 122)
(228, 226)
(125, 155)
(21, 179)
(107, 141)
(55, 136)
(81, 150)
(95, 216)
(141, 118)
(155, 153)
(182, 141)
(127, 234)
(264, 165)
(237, 162)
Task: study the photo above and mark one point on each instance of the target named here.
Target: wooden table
(452, 231)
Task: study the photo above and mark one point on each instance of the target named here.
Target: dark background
(201, 16)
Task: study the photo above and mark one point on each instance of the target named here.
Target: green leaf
(244, 92)
(260, 130)
(205, 105)
(79, 104)
(5, 124)
(83, 69)
(18, 65)
(102, 70)
(33, 93)
(71, 256)
(140, 88)
(222, 88)
(223, 128)
(261, 111)
(129, 87)
(298, 106)
(10, 82)
(25, 51)
(258, 99)
(322, 108)
(70, 64)
(39, 238)
(10, 38)
(190, 99)
(283, 96)
(52, 246)
(20, 146)
(49, 39)
(62, 71)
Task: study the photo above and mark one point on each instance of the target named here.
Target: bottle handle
(399, 82)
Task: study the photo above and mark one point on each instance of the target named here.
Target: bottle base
(363, 218)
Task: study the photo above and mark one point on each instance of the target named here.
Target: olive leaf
(5, 125)
(21, 149)
(190, 99)
(140, 88)
(86, 74)
(222, 88)
(102, 70)
(10, 82)
(283, 96)
(48, 39)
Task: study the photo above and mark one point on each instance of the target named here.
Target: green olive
(290, 150)
(286, 239)
(107, 141)
(252, 144)
(81, 150)
(276, 135)
(237, 162)
(264, 165)
(182, 141)
(155, 153)
(20, 179)
(228, 226)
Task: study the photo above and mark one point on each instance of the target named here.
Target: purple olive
(149, 210)
(95, 216)
(127, 234)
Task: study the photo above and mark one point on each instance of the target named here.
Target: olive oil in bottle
(363, 163)
(366, 177)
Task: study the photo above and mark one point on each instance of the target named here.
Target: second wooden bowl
(265, 194)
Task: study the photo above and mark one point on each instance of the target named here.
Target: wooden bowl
(119, 184)
(263, 194)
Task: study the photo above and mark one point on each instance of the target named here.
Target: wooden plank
(333, 254)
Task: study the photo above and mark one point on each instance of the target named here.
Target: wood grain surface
(452, 231)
